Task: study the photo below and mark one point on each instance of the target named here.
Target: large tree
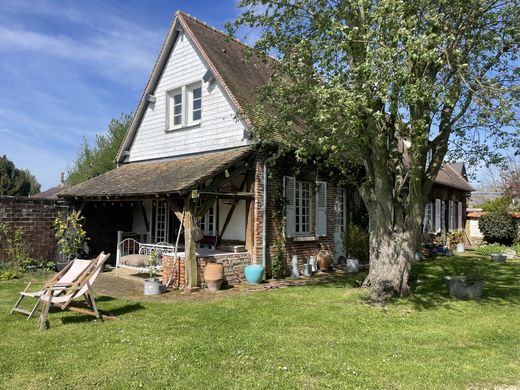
(92, 161)
(16, 182)
(393, 85)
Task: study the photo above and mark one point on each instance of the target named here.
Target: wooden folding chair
(69, 292)
(69, 274)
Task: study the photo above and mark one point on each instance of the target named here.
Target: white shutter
(459, 215)
(289, 184)
(438, 215)
(451, 215)
(321, 208)
(443, 215)
(427, 220)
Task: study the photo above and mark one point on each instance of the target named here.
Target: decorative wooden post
(190, 246)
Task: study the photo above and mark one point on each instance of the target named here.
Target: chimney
(62, 181)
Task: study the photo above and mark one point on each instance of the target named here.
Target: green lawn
(312, 337)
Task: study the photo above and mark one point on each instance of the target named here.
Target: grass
(313, 337)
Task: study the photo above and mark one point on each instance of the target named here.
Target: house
(51, 193)
(189, 171)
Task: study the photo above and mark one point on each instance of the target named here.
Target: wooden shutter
(321, 208)
(289, 184)
(438, 210)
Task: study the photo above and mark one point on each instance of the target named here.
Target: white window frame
(340, 210)
(301, 228)
(208, 220)
(428, 224)
(187, 102)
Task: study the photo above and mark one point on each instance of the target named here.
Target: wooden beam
(205, 207)
(81, 207)
(176, 209)
(232, 195)
(224, 180)
(190, 246)
(228, 218)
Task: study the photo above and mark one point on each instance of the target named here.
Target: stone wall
(35, 217)
(234, 264)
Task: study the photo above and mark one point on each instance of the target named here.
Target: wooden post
(190, 246)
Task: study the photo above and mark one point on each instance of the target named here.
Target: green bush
(9, 275)
(498, 205)
(356, 242)
(486, 250)
(279, 260)
(498, 228)
(16, 254)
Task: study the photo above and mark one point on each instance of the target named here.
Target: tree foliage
(498, 227)
(92, 161)
(392, 85)
(16, 182)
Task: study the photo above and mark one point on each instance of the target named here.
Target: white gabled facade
(218, 127)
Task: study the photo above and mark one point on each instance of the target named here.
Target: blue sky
(68, 67)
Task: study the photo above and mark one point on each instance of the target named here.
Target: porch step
(26, 312)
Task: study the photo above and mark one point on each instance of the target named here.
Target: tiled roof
(51, 193)
(157, 177)
(448, 177)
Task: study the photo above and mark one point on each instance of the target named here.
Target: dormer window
(184, 106)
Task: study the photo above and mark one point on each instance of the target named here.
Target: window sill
(184, 127)
(305, 238)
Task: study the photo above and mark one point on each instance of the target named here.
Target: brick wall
(285, 165)
(234, 264)
(35, 217)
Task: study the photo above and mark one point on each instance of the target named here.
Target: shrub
(498, 205)
(15, 248)
(356, 242)
(498, 228)
(486, 250)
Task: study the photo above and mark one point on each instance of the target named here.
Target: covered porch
(190, 210)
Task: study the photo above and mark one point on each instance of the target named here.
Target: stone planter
(498, 257)
(214, 276)
(465, 287)
(153, 286)
(254, 273)
(352, 265)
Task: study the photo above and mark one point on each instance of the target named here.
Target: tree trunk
(391, 257)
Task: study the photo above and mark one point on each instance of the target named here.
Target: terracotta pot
(324, 259)
(214, 275)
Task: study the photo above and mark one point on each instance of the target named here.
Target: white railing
(129, 246)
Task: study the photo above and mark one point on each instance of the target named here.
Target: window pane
(196, 115)
(177, 110)
(197, 104)
(197, 92)
(177, 120)
(177, 99)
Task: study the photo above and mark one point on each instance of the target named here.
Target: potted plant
(465, 287)
(456, 240)
(152, 285)
(70, 235)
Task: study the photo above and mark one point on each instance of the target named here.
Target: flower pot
(324, 260)
(253, 273)
(498, 257)
(464, 287)
(460, 247)
(152, 286)
(214, 275)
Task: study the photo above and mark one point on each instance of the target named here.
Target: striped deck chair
(68, 293)
(72, 275)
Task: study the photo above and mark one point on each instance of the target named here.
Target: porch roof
(162, 177)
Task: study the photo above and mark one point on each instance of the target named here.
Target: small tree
(92, 161)
(70, 234)
(498, 227)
